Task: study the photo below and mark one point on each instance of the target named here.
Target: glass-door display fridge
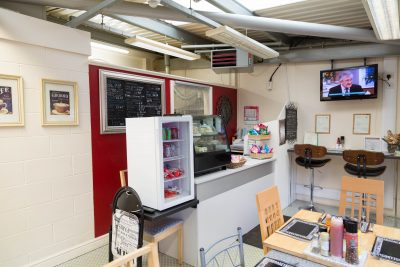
(211, 146)
(160, 160)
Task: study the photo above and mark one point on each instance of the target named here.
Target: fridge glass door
(176, 158)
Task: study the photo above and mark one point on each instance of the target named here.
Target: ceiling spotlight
(153, 3)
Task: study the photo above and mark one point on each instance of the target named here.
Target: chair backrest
(225, 252)
(127, 260)
(357, 194)
(371, 157)
(304, 149)
(122, 177)
(269, 212)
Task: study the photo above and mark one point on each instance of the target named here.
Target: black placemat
(301, 229)
(269, 262)
(386, 248)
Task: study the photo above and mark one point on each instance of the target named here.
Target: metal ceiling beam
(232, 6)
(296, 27)
(190, 12)
(336, 53)
(90, 13)
(162, 28)
(99, 33)
(233, 20)
(121, 8)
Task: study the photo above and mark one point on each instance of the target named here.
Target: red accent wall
(219, 91)
(109, 151)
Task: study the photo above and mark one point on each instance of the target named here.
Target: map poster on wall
(251, 114)
(128, 96)
(125, 233)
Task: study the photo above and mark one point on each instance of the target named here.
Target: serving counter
(227, 200)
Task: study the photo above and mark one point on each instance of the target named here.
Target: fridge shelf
(173, 158)
(170, 199)
(173, 140)
(174, 179)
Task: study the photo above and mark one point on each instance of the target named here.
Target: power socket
(269, 85)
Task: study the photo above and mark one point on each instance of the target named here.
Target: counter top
(338, 152)
(250, 163)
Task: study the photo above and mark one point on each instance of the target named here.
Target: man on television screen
(346, 86)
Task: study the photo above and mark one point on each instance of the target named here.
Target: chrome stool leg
(311, 206)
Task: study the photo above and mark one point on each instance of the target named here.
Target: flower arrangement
(393, 141)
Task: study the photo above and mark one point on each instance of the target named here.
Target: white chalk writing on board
(125, 233)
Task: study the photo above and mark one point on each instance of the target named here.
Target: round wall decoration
(224, 109)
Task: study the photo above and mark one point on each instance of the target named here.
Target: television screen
(349, 83)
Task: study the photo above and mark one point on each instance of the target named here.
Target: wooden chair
(127, 260)
(362, 194)
(155, 231)
(269, 212)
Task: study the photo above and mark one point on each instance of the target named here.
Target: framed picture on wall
(59, 102)
(372, 143)
(361, 123)
(11, 101)
(323, 123)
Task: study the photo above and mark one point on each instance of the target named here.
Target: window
(191, 98)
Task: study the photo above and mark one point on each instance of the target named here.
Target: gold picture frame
(59, 103)
(323, 123)
(362, 124)
(11, 101)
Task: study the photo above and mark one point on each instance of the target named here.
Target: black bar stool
(308, 158)
(357, 161)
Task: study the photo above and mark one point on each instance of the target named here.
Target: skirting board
(71, 253)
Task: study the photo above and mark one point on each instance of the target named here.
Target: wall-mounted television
(349, 83)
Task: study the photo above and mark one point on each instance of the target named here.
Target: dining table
(282, 245)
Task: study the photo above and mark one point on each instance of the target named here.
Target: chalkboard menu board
(291, 123)
(128, 96)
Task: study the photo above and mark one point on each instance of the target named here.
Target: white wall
(208, 75)
(299, 82)
(135, 59)
(46, 191)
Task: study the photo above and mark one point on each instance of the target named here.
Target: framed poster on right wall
(361, 124)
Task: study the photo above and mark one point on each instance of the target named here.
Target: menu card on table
(300, 229)
(386, 248)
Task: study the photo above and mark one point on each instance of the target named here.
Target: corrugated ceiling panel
(195, 28)
(350, 13)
